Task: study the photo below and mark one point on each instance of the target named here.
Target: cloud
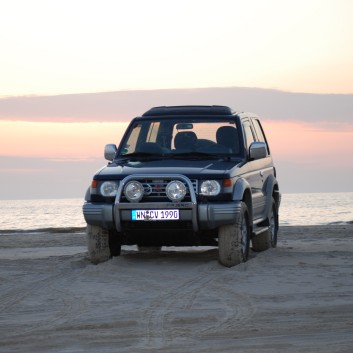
(124, 105)
(35, 177)
(310, 136)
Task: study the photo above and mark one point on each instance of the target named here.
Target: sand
(295, 298)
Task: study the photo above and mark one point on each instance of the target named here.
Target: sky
(61, 48)
(77, 46)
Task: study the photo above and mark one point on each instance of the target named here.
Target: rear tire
(97, 244)
(274, 224)
(234, 240)
(268, 238)
(261, 242)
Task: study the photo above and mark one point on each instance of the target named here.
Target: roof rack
(190, 110)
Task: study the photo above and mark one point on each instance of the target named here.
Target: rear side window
(250, 138)
(152, 132)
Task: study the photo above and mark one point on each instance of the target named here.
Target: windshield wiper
(194, 154)
(204, 155)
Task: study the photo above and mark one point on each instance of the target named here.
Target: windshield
(178, 137)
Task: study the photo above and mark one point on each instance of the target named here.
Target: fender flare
(269, 186)
(242, 192)
(240, 186)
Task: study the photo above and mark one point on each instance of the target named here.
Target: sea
(65, 215)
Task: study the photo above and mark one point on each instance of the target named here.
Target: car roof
(190, 110)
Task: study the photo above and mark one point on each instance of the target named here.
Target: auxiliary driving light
(176, 190)
(133, 191)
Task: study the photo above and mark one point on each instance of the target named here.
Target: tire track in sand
(64, 304)
(197, 307)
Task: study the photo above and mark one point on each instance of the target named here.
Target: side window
(249, 135)
(152, 132)
(131, 143)
(259, 132)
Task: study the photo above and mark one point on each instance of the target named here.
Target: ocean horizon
(65, 215)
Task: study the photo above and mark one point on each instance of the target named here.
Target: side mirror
(258, 150)
(110, 152)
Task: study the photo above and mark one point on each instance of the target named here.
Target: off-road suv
(186, 176)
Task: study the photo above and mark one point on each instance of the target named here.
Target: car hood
(193, 169)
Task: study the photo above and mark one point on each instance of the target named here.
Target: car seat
(185, 141)
(228, 137)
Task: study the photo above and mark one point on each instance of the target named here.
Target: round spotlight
(176, 190)
(133, 191)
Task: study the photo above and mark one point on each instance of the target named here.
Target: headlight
(134, 191)
(210, 188)
(175, 190)
(109, 188)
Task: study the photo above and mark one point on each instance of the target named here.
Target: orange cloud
(289, 141)
(58, 140)
(304, 142)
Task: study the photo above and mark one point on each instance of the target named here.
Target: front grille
(155, 190)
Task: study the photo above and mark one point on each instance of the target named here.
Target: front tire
(97, 244)
(234, 240)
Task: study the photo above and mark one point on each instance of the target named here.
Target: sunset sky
(61, 47)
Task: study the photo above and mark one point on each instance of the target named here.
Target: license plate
(154, 215)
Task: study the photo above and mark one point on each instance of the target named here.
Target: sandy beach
(295, 298)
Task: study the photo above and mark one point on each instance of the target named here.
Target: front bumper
(202, 216)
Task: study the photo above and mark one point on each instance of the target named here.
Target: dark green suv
(186, 176)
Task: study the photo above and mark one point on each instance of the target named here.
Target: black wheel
(234, 240)
(273, 230)
(262, 241)
(267, 239)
